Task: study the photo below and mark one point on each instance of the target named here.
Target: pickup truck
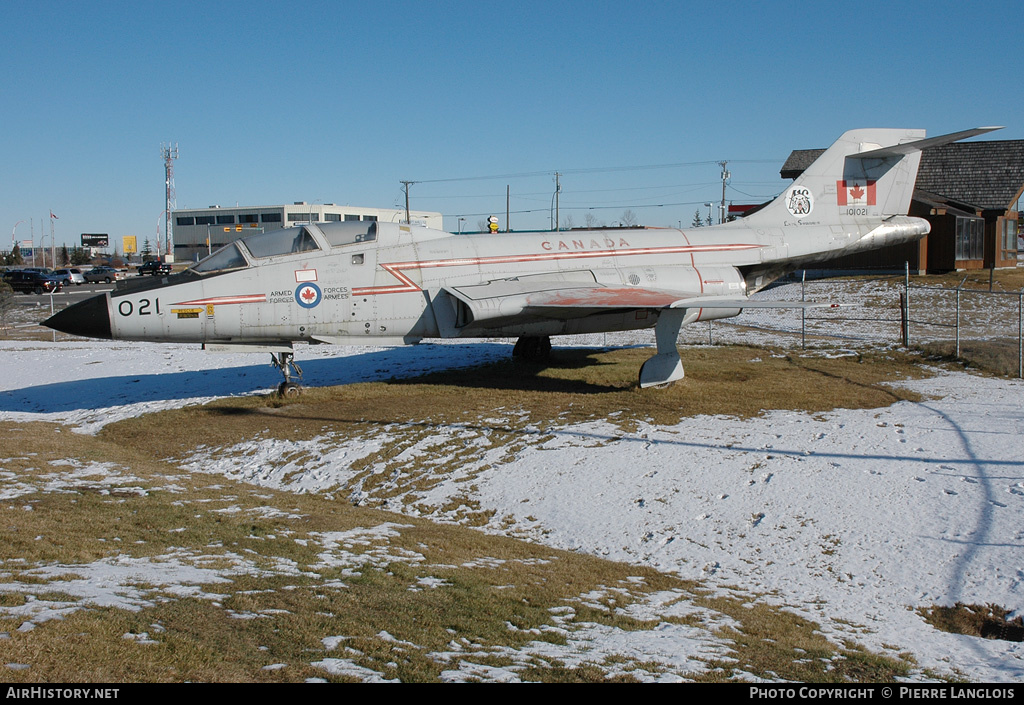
(154, 267)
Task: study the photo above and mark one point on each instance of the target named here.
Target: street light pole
(725, 177)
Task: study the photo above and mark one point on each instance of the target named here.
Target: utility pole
(405, 187)
(725, 177)
(558, 191)
(169, 153)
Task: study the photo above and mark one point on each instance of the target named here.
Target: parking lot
(66, 296)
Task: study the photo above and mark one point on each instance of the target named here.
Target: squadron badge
(799, 201)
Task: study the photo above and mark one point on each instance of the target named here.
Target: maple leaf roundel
(307, 295)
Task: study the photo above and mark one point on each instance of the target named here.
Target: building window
(1008, 239)
(332, 217)
(970, 238)
(225, 220)
(186, 221)
(204, 220)
(370, 217)
(270, 217)
(248, 218)
(351, 217)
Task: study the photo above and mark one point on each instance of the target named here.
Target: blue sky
(339, 101)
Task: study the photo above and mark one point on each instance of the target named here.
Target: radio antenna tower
(169, 153)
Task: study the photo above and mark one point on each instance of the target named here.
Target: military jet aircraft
(374, 283)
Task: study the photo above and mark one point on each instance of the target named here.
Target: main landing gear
(532, 348)
(285, 361)
(665, 367)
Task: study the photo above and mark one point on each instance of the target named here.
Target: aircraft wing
(603, 298)
(503, 302)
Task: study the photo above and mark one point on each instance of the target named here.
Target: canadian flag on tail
(855, 193)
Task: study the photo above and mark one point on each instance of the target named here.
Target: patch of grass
(998, 356)
(988, 621)
(1011, 279)
(776, 644)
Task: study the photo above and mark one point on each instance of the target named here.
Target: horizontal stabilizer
(918, 145)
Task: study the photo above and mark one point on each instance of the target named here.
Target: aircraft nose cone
(87, 318)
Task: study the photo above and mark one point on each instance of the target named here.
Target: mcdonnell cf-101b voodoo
(371, 283)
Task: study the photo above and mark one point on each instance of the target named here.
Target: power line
(593, 170)
(614, 207)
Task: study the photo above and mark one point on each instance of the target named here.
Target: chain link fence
(884, 310)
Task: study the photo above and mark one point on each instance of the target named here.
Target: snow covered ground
(855, 518)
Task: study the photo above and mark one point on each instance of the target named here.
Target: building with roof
(968, 191)
(200, 231)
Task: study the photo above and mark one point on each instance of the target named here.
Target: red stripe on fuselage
(218, 300)
(395, 268)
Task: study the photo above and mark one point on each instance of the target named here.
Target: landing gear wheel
(532, 348)
(285, 361)
(288, 390)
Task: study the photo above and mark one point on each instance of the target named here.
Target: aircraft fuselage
(394, 287)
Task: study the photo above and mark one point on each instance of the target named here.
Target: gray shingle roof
(799, 159)
(984, 174)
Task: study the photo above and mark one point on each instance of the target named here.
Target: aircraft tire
(532, 348)
(288, 390)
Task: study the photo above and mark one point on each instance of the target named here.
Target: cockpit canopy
(241, 253)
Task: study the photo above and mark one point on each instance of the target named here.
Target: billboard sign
(101, 240)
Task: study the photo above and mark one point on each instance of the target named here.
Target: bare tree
(629, 218)
(567, 222)
(590, 220)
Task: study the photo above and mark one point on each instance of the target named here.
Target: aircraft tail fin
(866, 173)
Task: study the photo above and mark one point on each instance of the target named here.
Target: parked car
(104, 274)
(34, 283)
(154, 267)
(70, 276)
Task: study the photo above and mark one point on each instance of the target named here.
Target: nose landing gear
(285, 362)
